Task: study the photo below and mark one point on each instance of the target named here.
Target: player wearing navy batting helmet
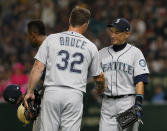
(126, 73)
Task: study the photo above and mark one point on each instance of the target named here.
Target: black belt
(116, 97)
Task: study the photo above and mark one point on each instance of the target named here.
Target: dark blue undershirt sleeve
(38, 86)
(43, 74)
(142, 77)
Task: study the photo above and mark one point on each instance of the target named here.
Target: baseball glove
(34, 107)
(129, 117)
(27, 115)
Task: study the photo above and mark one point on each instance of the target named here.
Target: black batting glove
(138, 105)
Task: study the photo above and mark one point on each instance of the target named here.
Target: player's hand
(97, 95)
(100, 83)
(98, 91)
(28, 96)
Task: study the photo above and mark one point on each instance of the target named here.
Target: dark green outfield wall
(9, 121)
(155, 119)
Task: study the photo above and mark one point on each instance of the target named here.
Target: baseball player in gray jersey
(126, 72)
(68, 57)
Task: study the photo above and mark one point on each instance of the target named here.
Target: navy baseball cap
(12, 93)
(121, 24)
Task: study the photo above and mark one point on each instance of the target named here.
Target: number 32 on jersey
(72, 60)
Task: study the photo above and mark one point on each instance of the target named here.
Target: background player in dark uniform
(36, 34)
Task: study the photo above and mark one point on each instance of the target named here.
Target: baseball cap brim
(113, 25)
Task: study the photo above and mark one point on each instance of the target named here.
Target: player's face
(32, 39)
(117, 37)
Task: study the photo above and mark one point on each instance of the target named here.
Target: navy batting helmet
(12, 93)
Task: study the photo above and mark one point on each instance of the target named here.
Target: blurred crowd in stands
(147, 17)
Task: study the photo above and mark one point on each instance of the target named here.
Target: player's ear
(85, 25)
(127, 34)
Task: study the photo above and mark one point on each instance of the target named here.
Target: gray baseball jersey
(68, 57)
(120, 68)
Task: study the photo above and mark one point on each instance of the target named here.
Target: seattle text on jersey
(118, 66)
